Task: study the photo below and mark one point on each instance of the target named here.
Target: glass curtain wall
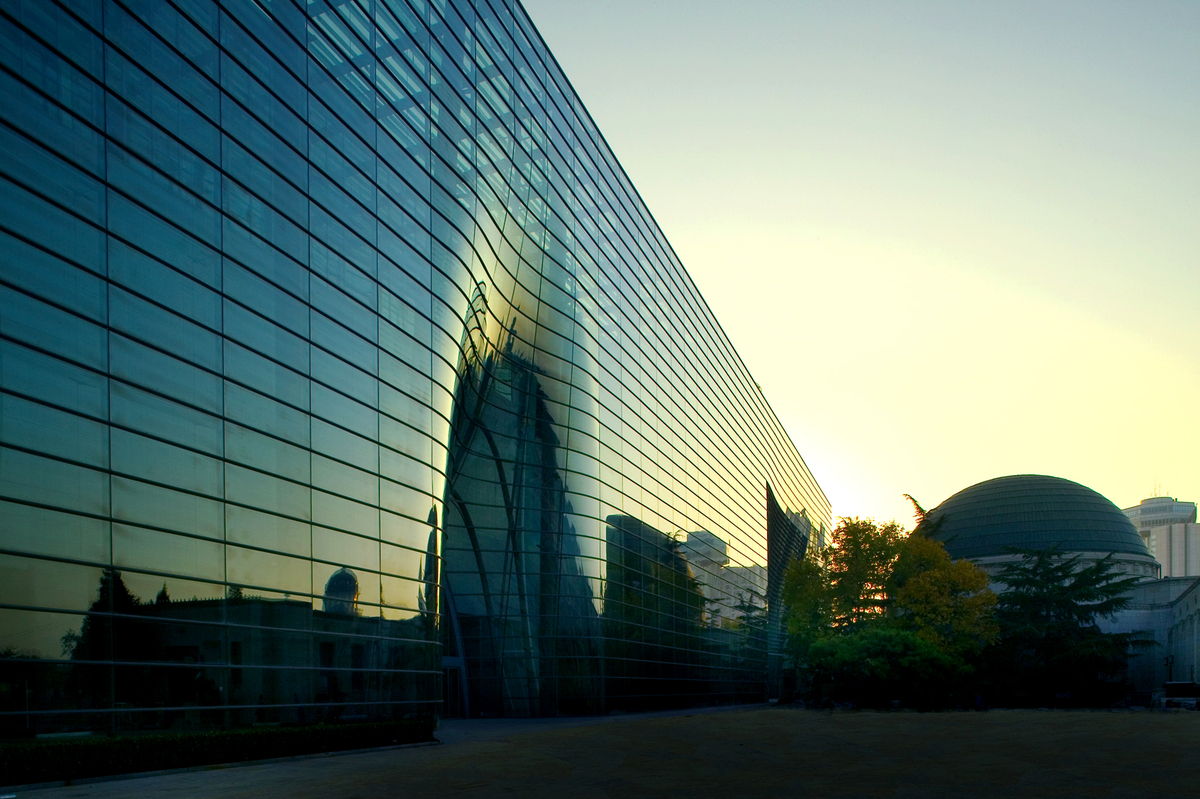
(343, 374)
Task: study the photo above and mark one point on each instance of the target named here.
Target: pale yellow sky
(951, 241)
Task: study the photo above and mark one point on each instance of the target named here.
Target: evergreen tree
(1051, 649)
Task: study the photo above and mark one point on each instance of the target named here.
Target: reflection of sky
(39, 634)
(951, 241)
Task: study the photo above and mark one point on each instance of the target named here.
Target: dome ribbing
(1032, 511)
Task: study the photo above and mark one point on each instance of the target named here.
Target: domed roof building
(984, 522)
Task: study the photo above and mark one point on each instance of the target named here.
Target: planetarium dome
(986, 521)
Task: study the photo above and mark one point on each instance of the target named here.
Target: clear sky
(952, 241)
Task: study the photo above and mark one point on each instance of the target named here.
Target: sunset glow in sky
(951, 241)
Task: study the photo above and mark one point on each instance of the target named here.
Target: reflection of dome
(341, 592)
(1033, 511)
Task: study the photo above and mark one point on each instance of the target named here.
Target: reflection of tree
(653, 608)
(750, 653)
(94, 640)
(122, 629)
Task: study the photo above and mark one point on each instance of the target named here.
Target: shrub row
(28, 762)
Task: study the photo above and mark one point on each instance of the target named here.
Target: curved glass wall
(343, 374)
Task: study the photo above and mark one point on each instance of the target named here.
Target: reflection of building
(727, 589)
(652, 621)
(234, 659)
(523, 604)
(345, 329)
(800, 519)
(1169, 529)
(341, 593)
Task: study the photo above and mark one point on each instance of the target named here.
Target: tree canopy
(857, 565)
(945, 602)
(882, 615)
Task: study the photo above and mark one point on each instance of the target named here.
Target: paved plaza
(741, 752)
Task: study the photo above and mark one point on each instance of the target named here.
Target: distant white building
(1169, 529)
(1177, 548)
(1159, 511)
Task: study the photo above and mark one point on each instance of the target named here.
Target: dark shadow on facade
(236, 661)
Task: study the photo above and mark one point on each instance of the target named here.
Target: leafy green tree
(1051, 649)
(945, 602)
(880, 663)
(857, 565)
(882, 615)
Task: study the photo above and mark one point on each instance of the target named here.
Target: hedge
(29, 762)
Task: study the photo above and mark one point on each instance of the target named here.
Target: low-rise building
(1158, 612)
(990, 523)
(1183, 637)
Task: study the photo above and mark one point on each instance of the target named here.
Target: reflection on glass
(341, 593)
(240, 658)
(677, 623)
(247, 463)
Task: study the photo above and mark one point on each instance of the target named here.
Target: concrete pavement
(740, 752)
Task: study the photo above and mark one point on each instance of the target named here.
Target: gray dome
(1032, 511)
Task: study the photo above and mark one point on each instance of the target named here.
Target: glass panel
(152, 414)
(255, 569)
(152, 550)
(34, 634)
(32, 478)
(154, 506)
(262, 491)
(139, 456)
(345, 514)
(47, 584)
(39, 531)
(266, 453)
(263, 413)
(266, 531)
(38, 427)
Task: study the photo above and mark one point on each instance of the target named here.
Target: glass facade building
(344, 374)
